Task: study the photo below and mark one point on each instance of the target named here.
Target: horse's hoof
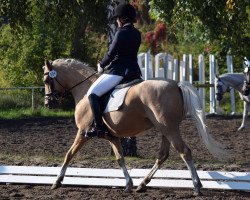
(128, 190)
(196, 194)
(56, 185)
(129, 186)
(141, 188)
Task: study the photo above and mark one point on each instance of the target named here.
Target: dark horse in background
(160, 104)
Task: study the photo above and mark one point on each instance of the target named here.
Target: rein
(52, 74)
(80, 82)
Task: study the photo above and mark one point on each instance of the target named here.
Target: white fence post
(176, 70)
(202, 79)
(190, 66)
(167, 70)
(147, 67)
(212, 78)
(140, 59)
(170, 69)
(183, 68)
(160, 72)
(230, 70)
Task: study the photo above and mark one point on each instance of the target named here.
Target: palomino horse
(153, 103)
(234, 80)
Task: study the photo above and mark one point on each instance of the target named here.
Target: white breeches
(103, 84)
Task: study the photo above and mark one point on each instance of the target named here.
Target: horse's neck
(79, 80)
(233, 80)
(80, 91)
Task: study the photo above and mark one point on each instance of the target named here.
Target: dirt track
(44, 142)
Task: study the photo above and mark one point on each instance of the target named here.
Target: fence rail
(32, 88)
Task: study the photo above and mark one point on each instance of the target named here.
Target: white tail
(193, 106)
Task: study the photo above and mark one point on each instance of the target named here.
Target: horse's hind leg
(244, 116)
(185, 153)
(76, 146)
(117, 148)
(163, 155)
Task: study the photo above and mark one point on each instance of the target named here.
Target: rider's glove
(99, 68)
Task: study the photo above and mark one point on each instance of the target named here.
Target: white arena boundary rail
(164, 66)
(114, 177)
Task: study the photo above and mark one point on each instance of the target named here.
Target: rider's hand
(99, 68)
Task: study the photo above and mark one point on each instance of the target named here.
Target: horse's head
(246, 85)
(220, 88)
(54, 90)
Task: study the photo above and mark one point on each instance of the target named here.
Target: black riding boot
(98, 128)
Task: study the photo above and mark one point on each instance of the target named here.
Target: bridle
(246, 85)
(52, 97)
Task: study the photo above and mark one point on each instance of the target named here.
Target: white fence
(163, 65)
(115, 177)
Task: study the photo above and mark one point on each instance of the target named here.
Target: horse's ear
(48, 64)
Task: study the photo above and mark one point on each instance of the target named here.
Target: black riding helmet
(125, 11)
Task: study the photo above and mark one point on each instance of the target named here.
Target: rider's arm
(112, 51)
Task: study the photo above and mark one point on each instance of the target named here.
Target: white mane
(74, 62)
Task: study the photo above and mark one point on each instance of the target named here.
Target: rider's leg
(102, 85)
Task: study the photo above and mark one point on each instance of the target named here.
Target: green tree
(221, 24)
(50, 28)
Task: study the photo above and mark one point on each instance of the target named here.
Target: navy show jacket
(121, 59)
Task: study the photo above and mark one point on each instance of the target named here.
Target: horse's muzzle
(245, 89)
(218, 97)
(50, 102)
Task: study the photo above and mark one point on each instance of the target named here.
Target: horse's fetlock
(120, 161)
(146, 181)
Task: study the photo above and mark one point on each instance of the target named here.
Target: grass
(17, 104)
(28, 112)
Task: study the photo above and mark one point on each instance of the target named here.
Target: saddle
(114, 99)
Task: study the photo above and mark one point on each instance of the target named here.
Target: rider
(120, 63)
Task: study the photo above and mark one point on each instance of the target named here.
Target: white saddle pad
(116, 99)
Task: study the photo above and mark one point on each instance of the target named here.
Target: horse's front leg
(163, 155)
(244, 117)
(117, 148)
(76, 146)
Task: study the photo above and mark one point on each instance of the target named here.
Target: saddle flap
(113, 100)
(116, 99)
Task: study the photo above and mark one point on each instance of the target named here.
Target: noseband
(246, 85)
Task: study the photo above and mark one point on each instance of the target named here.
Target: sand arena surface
(45, 141)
